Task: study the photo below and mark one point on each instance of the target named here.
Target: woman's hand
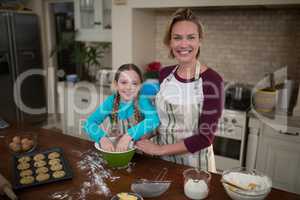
(149, 147)
(106, 144)
(123, 143)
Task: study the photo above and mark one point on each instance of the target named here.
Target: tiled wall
(243, 44)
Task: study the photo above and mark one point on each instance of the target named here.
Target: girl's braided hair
(137, 114)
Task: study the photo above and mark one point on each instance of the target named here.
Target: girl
(131, 115)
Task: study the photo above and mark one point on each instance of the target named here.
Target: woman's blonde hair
(182, 14)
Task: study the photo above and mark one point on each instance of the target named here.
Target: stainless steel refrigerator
(21, 58)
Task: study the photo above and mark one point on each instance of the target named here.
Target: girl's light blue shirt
(126, 110)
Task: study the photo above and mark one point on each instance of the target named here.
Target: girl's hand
(123, 143)
(106, 144)
(149, 147)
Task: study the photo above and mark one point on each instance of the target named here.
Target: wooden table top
(144, 167)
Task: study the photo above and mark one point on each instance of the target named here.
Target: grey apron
(180, 120)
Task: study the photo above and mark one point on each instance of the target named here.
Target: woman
(190, 100)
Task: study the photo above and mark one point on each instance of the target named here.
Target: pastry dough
(24, 159)
(38, 157)
(41, 170)
(42, 177)
(40, 163)
(56, 167)
(23, 166)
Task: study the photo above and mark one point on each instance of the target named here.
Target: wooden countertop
(144, 167)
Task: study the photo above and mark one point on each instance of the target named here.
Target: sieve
(151, 188)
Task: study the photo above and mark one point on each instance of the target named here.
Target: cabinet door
(91, 19)
(280, 159)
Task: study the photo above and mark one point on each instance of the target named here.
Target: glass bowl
(196, 183)
(257, 185)
(21, 142)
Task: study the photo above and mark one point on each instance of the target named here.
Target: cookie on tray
(42, 177)
(26, 180)
(39, 156)
(40, 163)
(26, 172)
(23, 166)
(56, 167)
(59, 174)
(54, 161)
(41, 170)
(53, 155)
(24, 159)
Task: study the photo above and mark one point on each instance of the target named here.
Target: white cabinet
(93, 20)
(279, 158)
(79, 101)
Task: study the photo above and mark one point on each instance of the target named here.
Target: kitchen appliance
(284, 95)
(20, 52)
(105, 77)
(230, 137)
(238, 96)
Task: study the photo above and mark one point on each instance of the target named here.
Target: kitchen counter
(144, 167)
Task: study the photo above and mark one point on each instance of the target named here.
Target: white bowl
(244, 177)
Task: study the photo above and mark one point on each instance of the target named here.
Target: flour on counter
(93, 165)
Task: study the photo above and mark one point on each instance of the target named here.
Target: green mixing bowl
(116, 159)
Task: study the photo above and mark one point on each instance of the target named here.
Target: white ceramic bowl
(246, 177)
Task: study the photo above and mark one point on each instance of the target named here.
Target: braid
(114, 114)
(137, 114)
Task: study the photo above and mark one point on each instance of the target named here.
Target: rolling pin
(5, 187)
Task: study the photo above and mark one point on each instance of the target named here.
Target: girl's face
(185, 41)
(128, 85)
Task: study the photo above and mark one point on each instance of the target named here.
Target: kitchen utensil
(235, 185)
(116, 159)
(6, 187)
(151, 188)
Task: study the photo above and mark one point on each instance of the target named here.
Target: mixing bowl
(21, 142)
(116, 159)
(256, 185)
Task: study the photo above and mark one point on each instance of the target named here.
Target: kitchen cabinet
(76, 103)
(279, 157)
(93, 20)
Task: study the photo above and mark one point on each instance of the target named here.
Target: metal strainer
(151, 188)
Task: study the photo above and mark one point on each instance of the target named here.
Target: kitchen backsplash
(243, 44)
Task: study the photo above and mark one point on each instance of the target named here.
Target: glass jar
(196, 183)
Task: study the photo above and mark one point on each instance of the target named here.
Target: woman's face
(185, 41)
(128, 85)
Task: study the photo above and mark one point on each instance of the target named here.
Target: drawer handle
(85, 100)
(288, 133)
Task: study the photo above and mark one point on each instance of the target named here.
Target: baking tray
(16, 172)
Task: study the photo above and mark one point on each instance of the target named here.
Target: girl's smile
(128, 85)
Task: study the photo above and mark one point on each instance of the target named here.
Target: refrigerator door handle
(28, 53)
